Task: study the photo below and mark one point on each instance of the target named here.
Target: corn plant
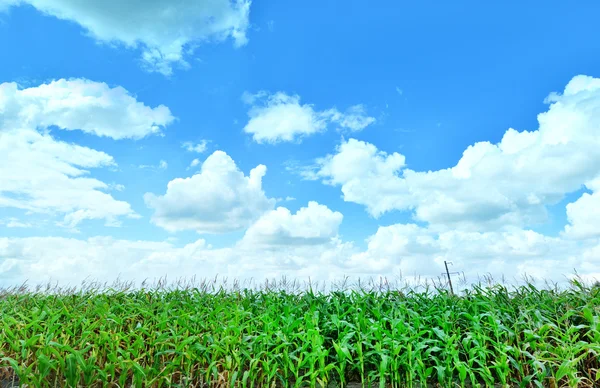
(488, 335)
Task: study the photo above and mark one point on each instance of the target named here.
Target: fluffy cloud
(584, 214)
(311, 225)
(219, 198)
(584, 217)
(163, 32)
(69, 261)
(281, 118)
(405, 248)
(410, 251)
(44, 175)
(492, 186)
(367, 176)
(414, 250)
(80, 104)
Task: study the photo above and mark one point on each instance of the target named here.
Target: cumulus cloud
(69, 261)
(311, 225)
(44, 175)
(415, 250)
(367, 176)
(80, 104)
(406, 250)
(164, 33)
(219, 198)
(406, 247)
(508, 184)
(475, 212)
(282, 118)
(584, 217)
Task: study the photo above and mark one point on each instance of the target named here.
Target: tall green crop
(491, 335)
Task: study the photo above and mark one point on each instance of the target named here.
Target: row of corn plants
(487, 336)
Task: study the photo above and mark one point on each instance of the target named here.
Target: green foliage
(489, 336)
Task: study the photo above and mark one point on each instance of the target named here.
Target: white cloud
(43, 175)
(162, 165)
(314, 224)
(414, 250)
(355, 119)
(66, 260)
(286, 199)
(493, 186)
(584, 217)
(80, 104)
(219, 198)
(116, 186)
(475, 210)
(70, 261)
(194, 163)
(199, 147)
(13, 222)
(367, 176)
(593, 184)
(398, 247)
(281, 118)
(163, 32)
(408, 250)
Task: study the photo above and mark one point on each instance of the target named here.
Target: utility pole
(449, 280)
(448, 273)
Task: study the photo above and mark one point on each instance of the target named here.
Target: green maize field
(215, 337)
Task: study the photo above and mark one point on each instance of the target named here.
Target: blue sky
(420, 82)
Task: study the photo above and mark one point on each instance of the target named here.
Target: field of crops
(488, 336)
